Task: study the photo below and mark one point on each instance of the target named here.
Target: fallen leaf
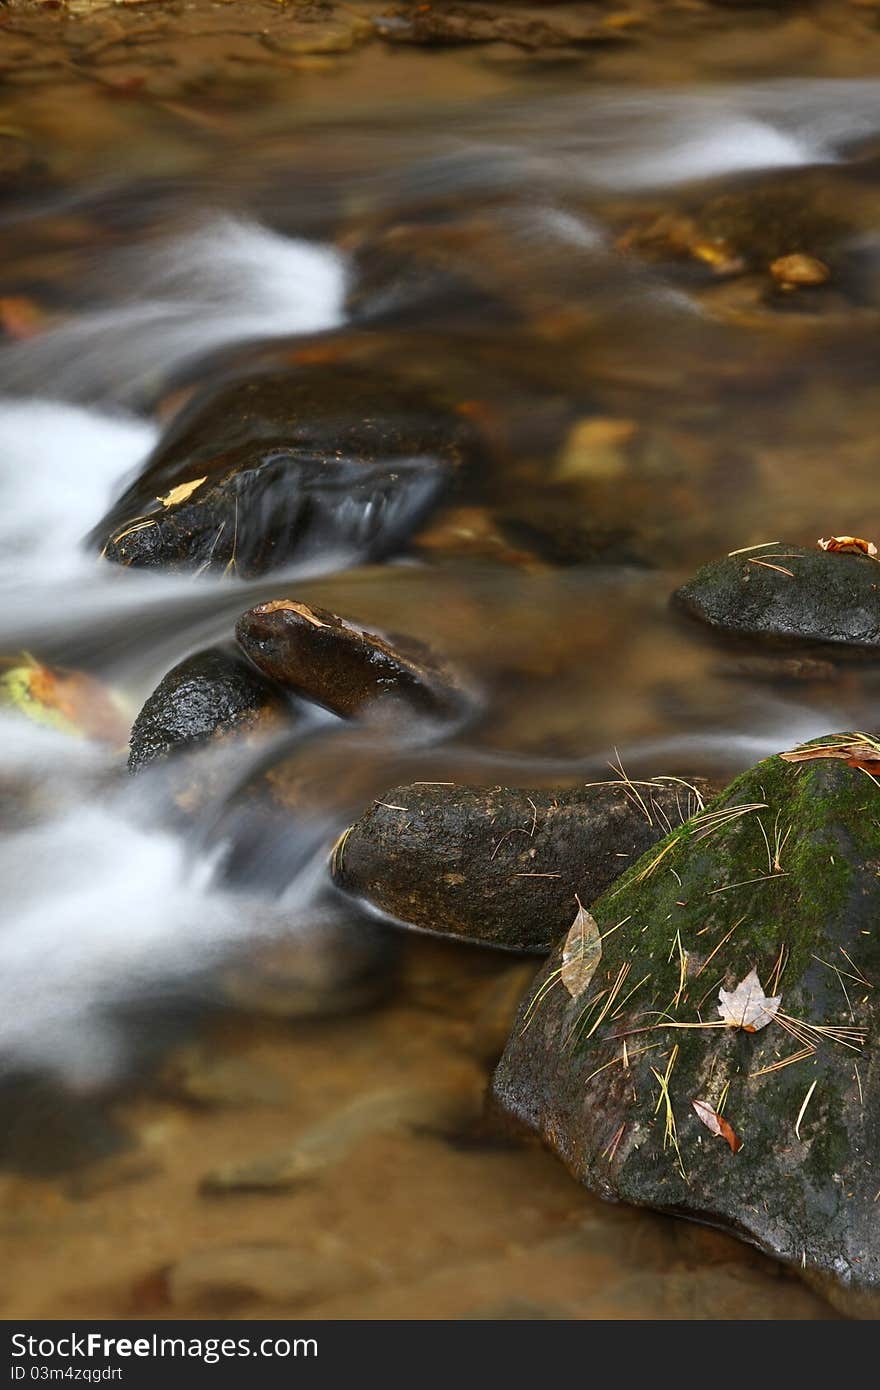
(581, 953)
(21, 318)
(849, 545)
(69, 701)
(181, 492)
(856, 754)
(716, 1124)
(747, 1006)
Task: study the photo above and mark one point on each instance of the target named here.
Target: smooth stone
(211, 694)
(259, 472)
(717, 905)
(499, 865)
(344, 667)
(828, 600)
(443, 1108)
(202, 1076)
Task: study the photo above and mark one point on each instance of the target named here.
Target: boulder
(499, 865)
(778, 876)
(259, 472)
(789, 595)
(213, 694)
(343, 667)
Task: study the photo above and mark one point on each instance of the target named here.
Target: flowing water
(647, 414)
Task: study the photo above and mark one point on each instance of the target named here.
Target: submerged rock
(445, 1108)
(259, 472)
(499, 865)
(343, 667)
(329, 964)
(212, 694)
(790, 595)
(609, 1079)
(224, 1277)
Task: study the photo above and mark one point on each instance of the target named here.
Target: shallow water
(474, 240)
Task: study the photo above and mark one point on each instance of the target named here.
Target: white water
(100, 907)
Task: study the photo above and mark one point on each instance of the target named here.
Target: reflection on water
(643, 414)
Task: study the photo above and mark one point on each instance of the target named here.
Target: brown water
(529, 230)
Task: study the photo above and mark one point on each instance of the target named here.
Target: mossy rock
(698, 912)
(262, 471)
(788, 595)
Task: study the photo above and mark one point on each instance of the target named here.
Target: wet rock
(445, 1108)
(500, 865)
(799, 908)
(331, 964)
(226, 1276)
(212, 694)
(343, 667)
(790, 595)
(259, 472)
(531, 27)
(205, 1077)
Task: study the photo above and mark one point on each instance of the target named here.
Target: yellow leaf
(181, 492)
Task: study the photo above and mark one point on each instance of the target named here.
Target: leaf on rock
(856, 753)
(581, 953)
(747, 1006)
(716, 1124)
(849, 545)
(181, 492)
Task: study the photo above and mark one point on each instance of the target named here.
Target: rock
(799, 909)
(778, 669)
(343, 667)
(203, 1076)
(330, 964)
(445, 1108)
(256, 473)
(498, 865)
(789, 272)
(810, 598)
(533, 27)
(226, 1276)
(212, 694)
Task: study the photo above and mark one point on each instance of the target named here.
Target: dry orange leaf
(855, 754)
(716, 1124)
(848, 545)
(82, 701)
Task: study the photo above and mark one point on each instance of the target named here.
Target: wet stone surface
(212, 694)
(343, 667)
(257, 473)
(499, 865)
(788, 595)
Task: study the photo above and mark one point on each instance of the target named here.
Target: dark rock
(260, 472)
(500, 865)
(801, 910)
(212, 694)
(343, 667)
(825, 600)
